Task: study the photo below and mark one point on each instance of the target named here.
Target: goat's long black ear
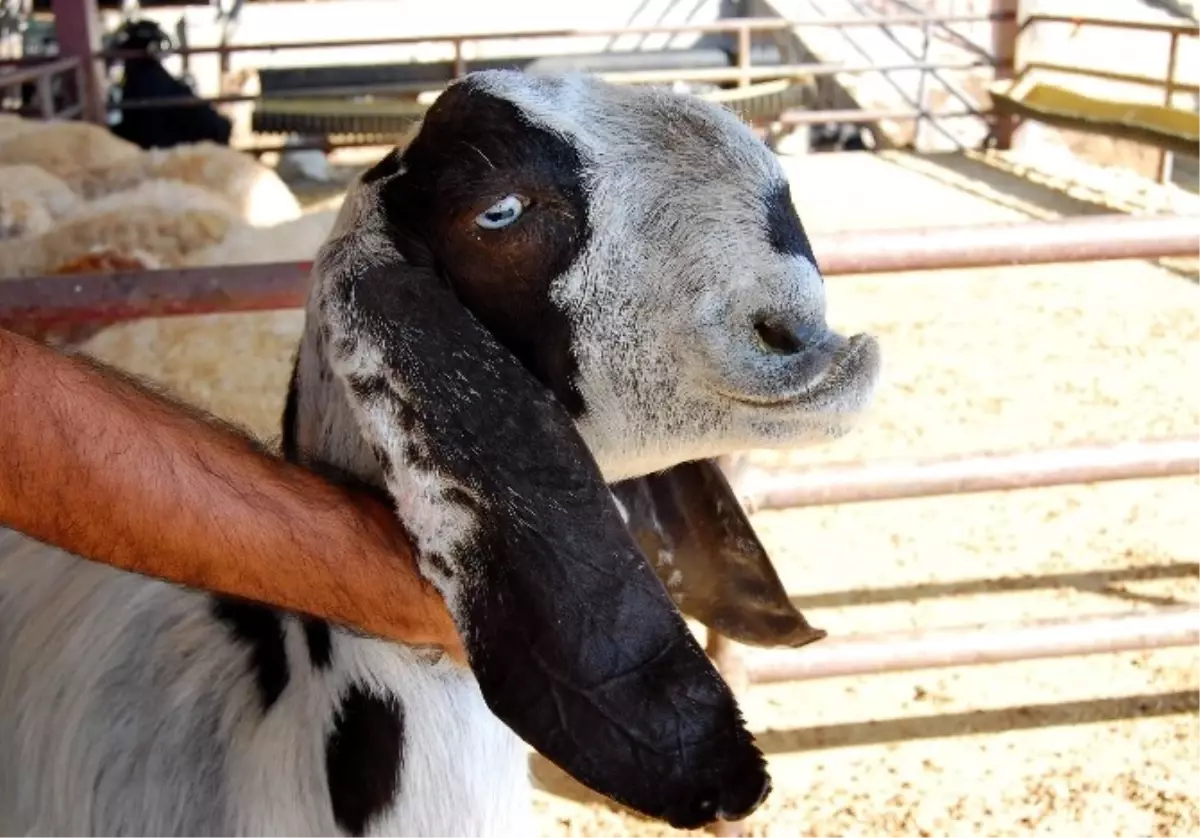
(689, 523)
(574, 640)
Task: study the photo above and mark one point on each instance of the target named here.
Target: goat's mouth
(849, 370)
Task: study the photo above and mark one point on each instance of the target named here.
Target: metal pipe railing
(1081, 239)
(1110, 75)
(977, 645)
(34, 71)
(1112, 23)
(120, 296)
(730, 25)
(709, 75)
(42, 74)
(899, 479)
(1169, 84)
(793, 118)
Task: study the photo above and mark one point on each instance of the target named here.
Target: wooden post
(77, 27)
(1005, 34)
(1166, 159)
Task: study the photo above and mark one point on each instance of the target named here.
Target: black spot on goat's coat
(261, 630)
(364, 756)
(319, 640)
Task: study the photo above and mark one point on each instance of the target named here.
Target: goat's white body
(129, 709)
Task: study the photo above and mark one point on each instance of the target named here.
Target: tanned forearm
(94, 463)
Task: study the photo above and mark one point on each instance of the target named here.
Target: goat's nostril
(775, 337)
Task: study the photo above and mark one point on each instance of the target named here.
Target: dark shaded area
(261, 630)
(364, 755)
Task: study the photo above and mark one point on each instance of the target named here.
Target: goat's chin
(763, 432)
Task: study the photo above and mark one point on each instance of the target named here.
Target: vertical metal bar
(743, 56)
(78, 78)
(1005, 36)
(460, 65)
(1166, 159)
(181, 38)
(77, 26)
(45, 91)
(729, 663)
(919, 129)
(224, 80)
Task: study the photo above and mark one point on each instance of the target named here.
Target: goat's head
(640, 254)
(560, 283)
(141, 35)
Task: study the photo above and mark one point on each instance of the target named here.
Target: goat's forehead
(630, 125)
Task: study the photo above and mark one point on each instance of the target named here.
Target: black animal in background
(145, 77)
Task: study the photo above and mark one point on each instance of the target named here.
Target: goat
(144, 77)
(557, 287)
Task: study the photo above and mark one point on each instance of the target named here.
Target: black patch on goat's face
(784, 230)
(261, 630)
(364, 756)
(473, 150)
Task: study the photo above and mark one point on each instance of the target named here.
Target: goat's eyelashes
(502, 213)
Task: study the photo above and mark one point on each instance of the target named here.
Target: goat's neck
(319, 426)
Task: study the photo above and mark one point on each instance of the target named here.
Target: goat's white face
(559, 284)
(642, 257)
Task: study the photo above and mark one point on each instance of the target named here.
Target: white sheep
(290, 241)
(64, 148)
(254, 190)
(30, 200)
(165, 221)
(559, 284)
(12, 125)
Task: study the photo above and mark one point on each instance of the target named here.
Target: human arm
(97, 464)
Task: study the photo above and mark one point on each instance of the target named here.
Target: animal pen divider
(758, 107)
(104, 298)
(41, 302)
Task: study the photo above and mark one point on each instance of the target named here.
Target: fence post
(77, 28)
(728, 661)
(45, 91)
(460, 64)
(725, 655)
(743, 56)
(1166, 159)
(919, 129)
(1005, 34)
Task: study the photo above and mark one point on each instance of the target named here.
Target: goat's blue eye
(501, 214)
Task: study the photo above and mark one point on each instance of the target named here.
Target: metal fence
(743, 73)
(46, 77)
(45, 301)
(1169, 83)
